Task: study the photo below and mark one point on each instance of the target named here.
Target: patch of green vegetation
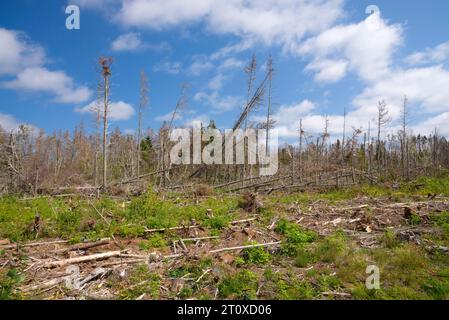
(257, 255)
(63, 218)
(282, 286)
(437, 289)
(336, 195)
(8, 281)
(389, 239)
(328, 282)
(141, 281)
(331, 248)
(154, 241)
(303, 257)
(429, 185)
(294, 236)
(414, 219)
(153, 212)
(217, 223)
(128, 230)
(193, 269)
(186, 292)
(242, 285)
(442, 220)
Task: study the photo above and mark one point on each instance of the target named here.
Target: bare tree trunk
(343, 143)
(105, 63)
(143, 104)
(250, 70)
(301, 135)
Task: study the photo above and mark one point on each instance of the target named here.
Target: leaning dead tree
(181, 104)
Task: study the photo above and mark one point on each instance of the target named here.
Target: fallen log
(243, 221)
(194, 226)
(171, 229)
(65, 262)
(270, 244)
(44, 285)
(33, 244)
(85, 246)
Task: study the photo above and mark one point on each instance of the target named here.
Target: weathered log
(98, 256)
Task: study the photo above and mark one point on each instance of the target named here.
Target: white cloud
(94, 4)
(239, 47)
(38, 79)
(218, 103)
(231, 63)
(132, 42)
(169, 67)
(8, 123)
(168, 116)
(287, 117)
(200, 65)
(365, 48)
(129, 132)
(430, 55)
(18, 52)
(203, 64)
(127, 42)
(118, 111)
(26, 61)
(158, 14)
(426, 87)
(328, 70)
(268, 21)
(197, 122)
(439, 122)
(217, 82)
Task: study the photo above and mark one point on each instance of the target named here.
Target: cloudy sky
(328, 55)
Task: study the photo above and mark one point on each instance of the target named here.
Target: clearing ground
(229, 246)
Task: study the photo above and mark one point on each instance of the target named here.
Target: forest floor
(315, 245)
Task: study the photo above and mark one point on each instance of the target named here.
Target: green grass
(257, 256)
(420, 187)
(79, 220)
(332, 248)
(140, 281)
(294, 236)
(242, 285)
(194, 269)
(154, 241)
(338, 264)
(286, 286)
(8, 282)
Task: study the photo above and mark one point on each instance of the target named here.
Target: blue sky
(328, 55)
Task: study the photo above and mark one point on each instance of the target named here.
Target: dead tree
(250, 70)
(343, 143)
(269, 123)
(181, 104)
(301, 136)
(105, 63)
(405, 160)
(383, 118)
(144, 90)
